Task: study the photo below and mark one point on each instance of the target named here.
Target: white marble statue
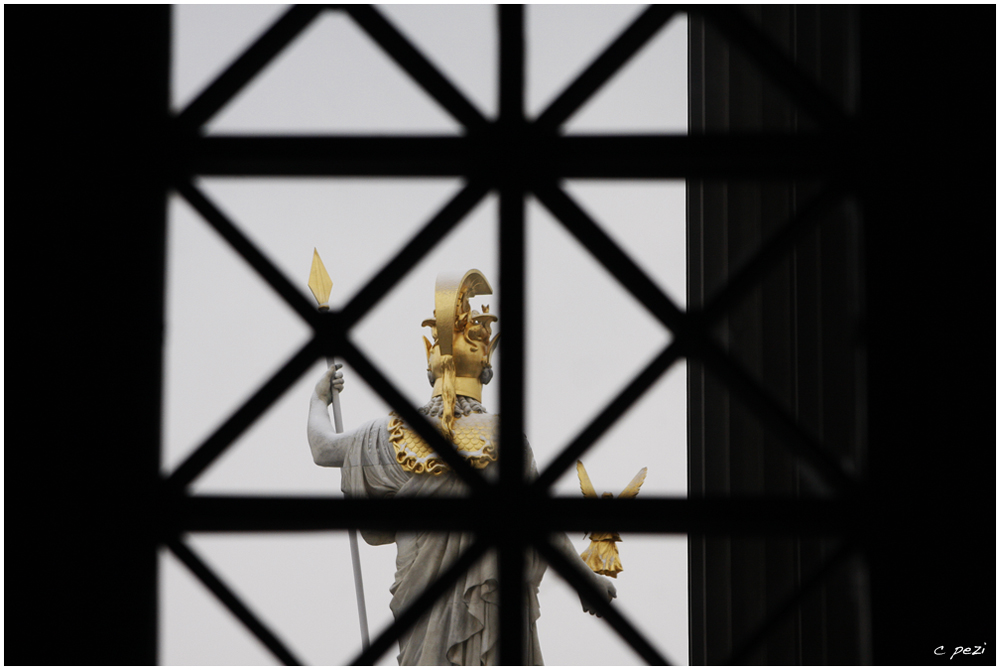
(384, 458)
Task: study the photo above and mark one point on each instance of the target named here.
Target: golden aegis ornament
(474, 437)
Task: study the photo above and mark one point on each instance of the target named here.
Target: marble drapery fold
(462, 627)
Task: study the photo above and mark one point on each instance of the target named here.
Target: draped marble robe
(462, 627)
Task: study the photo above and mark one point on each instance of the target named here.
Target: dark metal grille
(89, 94)
(516, 158)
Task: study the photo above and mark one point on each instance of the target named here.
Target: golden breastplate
(475, 438)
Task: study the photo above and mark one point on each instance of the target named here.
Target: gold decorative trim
(474, 440)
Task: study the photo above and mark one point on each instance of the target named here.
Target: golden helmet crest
(459, 358)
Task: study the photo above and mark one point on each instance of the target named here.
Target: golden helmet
(458, 360)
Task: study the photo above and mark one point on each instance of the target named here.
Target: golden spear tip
(319, 281)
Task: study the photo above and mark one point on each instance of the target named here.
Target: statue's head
(458, 360)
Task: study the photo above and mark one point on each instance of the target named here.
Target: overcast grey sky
(227, 332)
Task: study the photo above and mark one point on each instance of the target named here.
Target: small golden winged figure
(602, 554)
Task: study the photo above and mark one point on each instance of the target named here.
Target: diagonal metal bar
(418, 422)
(249, 251)
(615, 619)
(245, 68)
(253, 408)
(414, 251)
(417, 66)
(422, 605)
(771, 252)
(610, 255)
(604, 67)
(231, 601)
(801, 442)
(790, 604)
(614, 410)
(761, 49)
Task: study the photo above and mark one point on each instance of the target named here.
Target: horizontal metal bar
(737, 516)
(703, 156)
(548, 156)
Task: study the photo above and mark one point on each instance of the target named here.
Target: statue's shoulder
(374, 426)
(475, 439)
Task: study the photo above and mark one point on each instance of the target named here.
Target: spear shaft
(320, 285)
(352, 534)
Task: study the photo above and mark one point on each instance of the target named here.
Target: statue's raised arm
(328, 447)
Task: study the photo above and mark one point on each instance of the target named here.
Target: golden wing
(632, 490)
(585, 485)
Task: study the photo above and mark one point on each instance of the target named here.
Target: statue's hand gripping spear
(320, 284)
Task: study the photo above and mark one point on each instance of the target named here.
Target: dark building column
(873, 333)
(796, 333)
(928, 88)
(86, 105)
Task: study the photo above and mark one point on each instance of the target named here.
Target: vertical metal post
(510, 546)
